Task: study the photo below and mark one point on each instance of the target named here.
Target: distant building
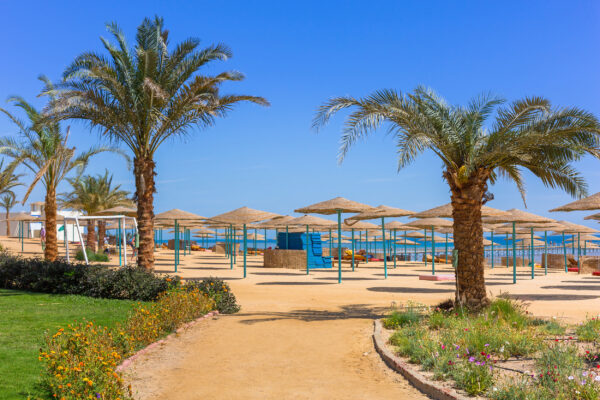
(33, 230)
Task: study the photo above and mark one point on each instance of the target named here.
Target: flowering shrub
(469, 349)
(220, 292)
(80, 361)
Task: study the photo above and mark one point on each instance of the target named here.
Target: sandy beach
(303, 337)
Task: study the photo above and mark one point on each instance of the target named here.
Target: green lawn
(25, 316)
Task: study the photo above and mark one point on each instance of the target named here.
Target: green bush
(91, 255)
(589, 331)
(60, 277)
(399, 319)
(220, 292)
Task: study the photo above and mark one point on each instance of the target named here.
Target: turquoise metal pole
(446, 250)
(265, 238)
(432, 252)
(234, 246)
(255, 249)
(307, 245)
(230, 247)
(339, 215)
(573, 244)
(507, 252)
(565, 251)
(578, 250)
(395, 248)
(384, 248)
(245, 248)
(352, 249)
(492, 249)
(119, 241)
(545, 252)
(514, 243)
(532, 257)
(425, 247)
(176, 245)
(366, 246)
(287, 238)
(405, 258)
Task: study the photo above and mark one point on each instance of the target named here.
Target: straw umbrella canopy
(586, 204)
(382, 212)
(244, 216)
(415, 235)
(337, 205)
(119, 210)
(445, 211)
(21, 218)
(595, 217)
(522, 217)
(174, 217)
(430, 223)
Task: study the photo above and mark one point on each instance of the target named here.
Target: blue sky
(297, 55)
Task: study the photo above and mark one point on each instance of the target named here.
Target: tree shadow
(349, 278)
(573, 287)
(552, 297)
(352, 311)
(278, 273)
(395, 289)
(293, 283)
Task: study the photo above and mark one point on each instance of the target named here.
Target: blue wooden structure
(297, 241)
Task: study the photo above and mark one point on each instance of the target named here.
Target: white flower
(570, 377)
(597, 378)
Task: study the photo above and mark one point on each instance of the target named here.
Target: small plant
(589, 331)
(220, 292)
(475, 377)
(91, 256)
(398, 319)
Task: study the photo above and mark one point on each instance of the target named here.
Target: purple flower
(486, 345)
(456, 347)
(98, 396)
(583, 382)
(471, 359)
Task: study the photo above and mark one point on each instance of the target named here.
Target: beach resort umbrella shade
(445, 211)
(310, 221)
(244, 216)
(119, 210)
(571, 228)
(381, 212)
(175, 217)
(337, 205)
(360, 226)
(407, 242)
(595, 217)
(273, 223)
(22, 218)
(586, 204)
(430, 223)
(517, 216)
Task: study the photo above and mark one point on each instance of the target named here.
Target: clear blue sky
(297, 55)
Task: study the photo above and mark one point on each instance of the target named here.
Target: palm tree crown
(92, 194)
(527, 134)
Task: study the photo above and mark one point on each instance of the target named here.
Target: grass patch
(91, 255)
(25, 318)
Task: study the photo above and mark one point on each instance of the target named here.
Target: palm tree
(92, 194)
(42, 148)
(8, 201)
(144, 96)
(527, 134)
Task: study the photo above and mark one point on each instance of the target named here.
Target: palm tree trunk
(468, 240)
(51, 251)
(7, 222)
(90, 240)
(101, 234)
(143, 169)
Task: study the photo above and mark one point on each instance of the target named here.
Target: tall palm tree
(144, 96)
(526, 134)
(91, 194)
(8, 201)
(42, 148)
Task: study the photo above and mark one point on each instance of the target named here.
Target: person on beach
(43, 237)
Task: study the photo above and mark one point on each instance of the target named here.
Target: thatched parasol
(119, 210)
(445, 211)
(382, 212)
(244, 216)
(586, 204)
(337, 205)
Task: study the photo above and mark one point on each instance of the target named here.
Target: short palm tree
(144, 96)
(527, 134)
(8, 201)
(91, 194)
(42, 148)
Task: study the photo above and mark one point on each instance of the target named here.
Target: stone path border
(127, 362)
(411, 374)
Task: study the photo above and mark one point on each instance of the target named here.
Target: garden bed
(500, 353)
